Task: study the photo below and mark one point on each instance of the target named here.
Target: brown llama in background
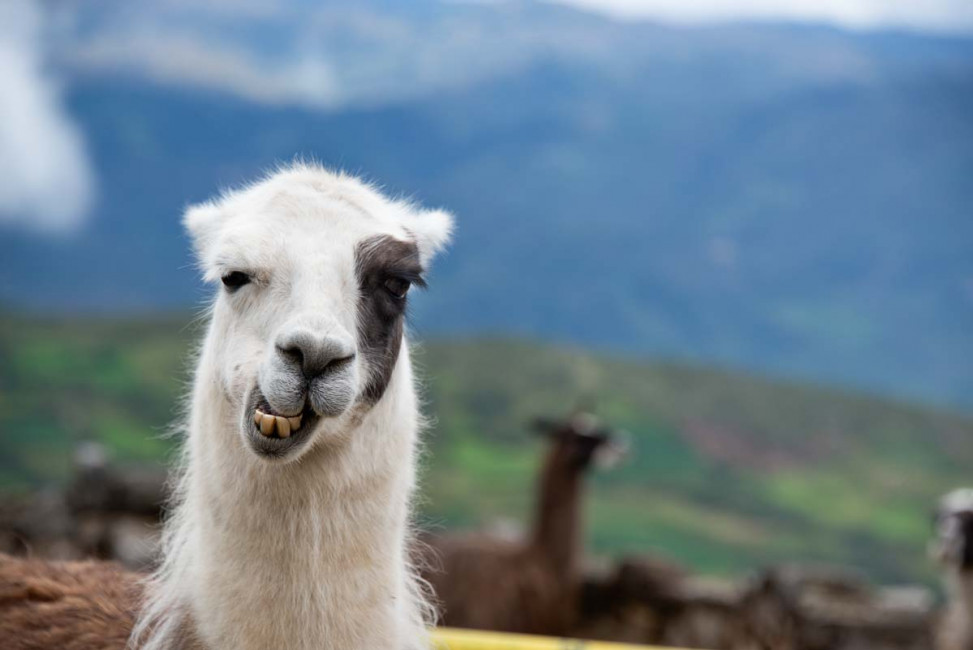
(532, 586)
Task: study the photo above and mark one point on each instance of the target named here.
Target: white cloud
(920, 15)
(183, 59)
(327, 58)
(46, 179)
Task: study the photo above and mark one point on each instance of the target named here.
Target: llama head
(953, 523)
(313, 269)
(582, 440)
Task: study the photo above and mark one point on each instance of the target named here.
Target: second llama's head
(582, 440)
(314, 270)
(953, 523)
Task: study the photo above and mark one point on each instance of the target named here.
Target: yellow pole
(445, 638)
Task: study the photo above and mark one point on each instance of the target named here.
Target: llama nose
(314, 355)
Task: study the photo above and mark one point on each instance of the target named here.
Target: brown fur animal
(528, 587)
(66, 605)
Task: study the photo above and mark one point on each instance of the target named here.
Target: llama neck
(557, 523)
(311, 554)
(957, 630)
(960, 587)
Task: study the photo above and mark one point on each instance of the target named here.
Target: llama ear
(201, 222)
(432, 230)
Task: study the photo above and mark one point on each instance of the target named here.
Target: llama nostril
(292, 353)
(314, 356)
(337, 364)
(318, 365)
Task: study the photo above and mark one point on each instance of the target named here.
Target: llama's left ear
(202, 223)
(432, 230)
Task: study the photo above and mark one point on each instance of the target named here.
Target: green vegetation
(730, 471)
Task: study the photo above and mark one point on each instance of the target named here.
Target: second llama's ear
(202, 222)
(432, 229)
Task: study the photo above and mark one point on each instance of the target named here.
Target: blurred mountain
(790, 199)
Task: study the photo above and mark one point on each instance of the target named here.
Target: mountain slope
(730, 471)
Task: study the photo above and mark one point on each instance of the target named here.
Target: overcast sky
(921, 15)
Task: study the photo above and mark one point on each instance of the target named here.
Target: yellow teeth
(267, 425)
(270, 424)
(283, 427)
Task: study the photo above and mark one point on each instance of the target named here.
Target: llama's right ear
(432, 230)
(202, 222)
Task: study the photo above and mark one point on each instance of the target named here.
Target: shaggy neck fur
(311, 554)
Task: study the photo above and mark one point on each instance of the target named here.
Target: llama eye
(234, 280)
(397, 287)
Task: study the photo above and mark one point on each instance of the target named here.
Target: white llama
(290, 524)
(953, 547)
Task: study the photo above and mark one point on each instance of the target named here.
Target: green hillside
(730, 471)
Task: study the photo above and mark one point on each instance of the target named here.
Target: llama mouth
(272, 434)
(280, 426)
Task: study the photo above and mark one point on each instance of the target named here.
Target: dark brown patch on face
(381, 314)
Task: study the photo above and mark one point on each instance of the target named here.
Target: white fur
(310, 551)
